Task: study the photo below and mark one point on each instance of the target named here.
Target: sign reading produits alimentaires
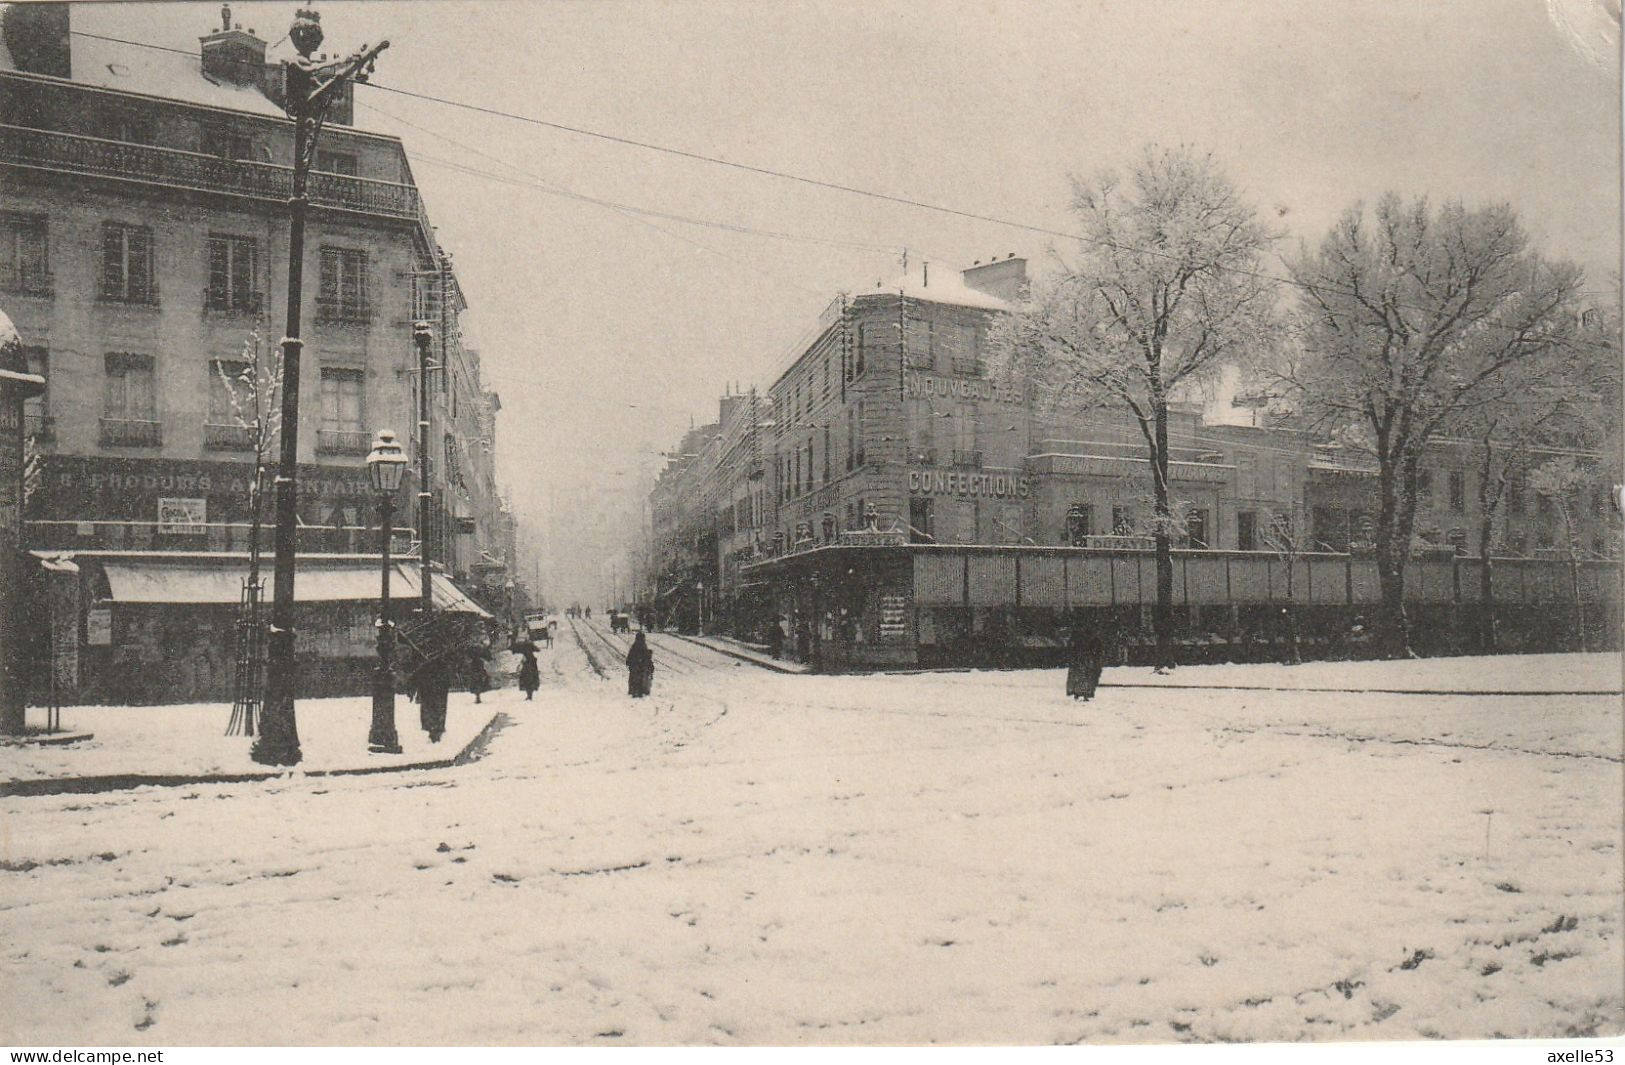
(965, 483)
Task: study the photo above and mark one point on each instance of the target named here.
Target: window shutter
(140, 264)
(112, 263)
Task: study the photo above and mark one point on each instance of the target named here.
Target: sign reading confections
(968, 483)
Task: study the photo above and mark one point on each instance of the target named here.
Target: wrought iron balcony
(28, 282)
(343, 442)
(221, 436)
(209, 536)
(342, 310)
(131, 432)
(220, 303)
(70, 153)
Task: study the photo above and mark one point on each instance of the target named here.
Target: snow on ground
(190, 740)
(759, 858)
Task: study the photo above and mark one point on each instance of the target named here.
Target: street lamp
(385, 465)
(311, 86)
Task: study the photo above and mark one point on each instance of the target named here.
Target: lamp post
(16, 385)
(385, 465)
(431, 679)
(311, 86)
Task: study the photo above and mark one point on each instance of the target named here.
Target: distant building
(885, 498)
(143, 239)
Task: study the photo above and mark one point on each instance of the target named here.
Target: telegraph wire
(838, 187)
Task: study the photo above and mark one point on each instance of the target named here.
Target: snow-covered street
(756, 858)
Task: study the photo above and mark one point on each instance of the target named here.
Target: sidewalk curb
(125, 781)
(723, 649)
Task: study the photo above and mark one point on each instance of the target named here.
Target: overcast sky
(580, 310)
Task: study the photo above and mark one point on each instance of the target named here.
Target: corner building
(143, 243)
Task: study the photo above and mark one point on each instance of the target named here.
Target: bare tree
(253, 392)
(1562, 480)
(1164, 290)
(1411, 317)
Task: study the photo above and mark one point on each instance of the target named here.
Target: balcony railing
(70, 153)
(217, 302)
(208, 536)
(131, 432)
(343, 442)
(351, 310)
(967, 458)
(39, 425)
(218, 436)
(28, 282)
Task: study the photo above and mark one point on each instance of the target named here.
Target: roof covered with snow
(152, 72)
(937, 284)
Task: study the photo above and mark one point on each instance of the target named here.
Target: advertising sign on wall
(182, 516)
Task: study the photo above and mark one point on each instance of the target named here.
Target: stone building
(143, 250)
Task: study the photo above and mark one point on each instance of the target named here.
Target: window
(129, 402)
(857, 432)
(857, 367)
(1518, 544)
(226, 143)
(37, 409)
(1246, 481)
(1121, 521)
(336, 162)
(233, 273)
(221, 409)
(1196, 530)
(24, 264)
(829, 528)
(1246, 530)
(828, 357)
(343, 295)
(1515, 492)
(1599, 501)
(1457, 539)
(343, 397)
(826, 454)
(1078, 524)
(127, 264)
(1424, 489)
(965, 521)
(1458, 491)
(964, 427)
(1009, 524)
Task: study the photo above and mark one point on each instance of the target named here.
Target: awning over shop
(156, 580)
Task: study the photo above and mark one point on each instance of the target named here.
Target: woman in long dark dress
(530, 677)
(1088, 659)
(640, 668)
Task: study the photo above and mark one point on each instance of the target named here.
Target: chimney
(232, 55)
(36, 35)
(1005, 279)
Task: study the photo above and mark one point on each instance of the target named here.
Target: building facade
(903, 493)
(144, 258)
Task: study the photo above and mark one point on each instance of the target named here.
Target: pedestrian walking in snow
(530, 677)
(1087, 661)
(474, 673)
(640, 668)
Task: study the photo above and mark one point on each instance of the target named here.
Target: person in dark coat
(640, 668)
(474, 673)
(530, 678)
(775, 639)
(1087, 661)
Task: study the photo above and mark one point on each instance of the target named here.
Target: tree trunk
(1486, 587)
(1393, 548)
(1163, 618)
